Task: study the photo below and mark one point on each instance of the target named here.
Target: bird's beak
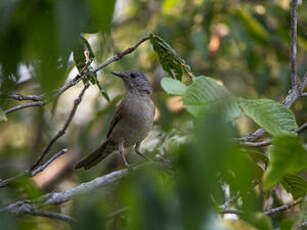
(119, 74)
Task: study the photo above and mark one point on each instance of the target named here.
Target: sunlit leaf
(172, 86)
(295, 185)
(168, 5)
(273, 117)
(288, 156)
(205, 94)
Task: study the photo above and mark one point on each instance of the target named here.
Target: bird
(131, 122)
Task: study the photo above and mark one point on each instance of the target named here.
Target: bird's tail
(98, 155)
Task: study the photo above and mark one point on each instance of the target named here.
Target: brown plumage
(131, 123)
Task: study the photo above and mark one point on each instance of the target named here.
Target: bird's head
(135, 81)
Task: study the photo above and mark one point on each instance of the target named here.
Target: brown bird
(131, 123)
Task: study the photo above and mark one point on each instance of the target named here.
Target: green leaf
(173, 87)
(168, 58)
(288, 156)
(273, 117)
(2, 116)
(295, 185)
(79, 53)
(205, 94)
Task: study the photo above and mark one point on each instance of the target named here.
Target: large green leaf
(205, 94)
(172, 86)
(295, 185)
(275, 118)
(288, 156)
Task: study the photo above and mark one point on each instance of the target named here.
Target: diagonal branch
(34, 172)
(23, 106)
(282, 208)
(62, 131)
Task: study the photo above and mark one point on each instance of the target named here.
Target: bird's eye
(132, 75)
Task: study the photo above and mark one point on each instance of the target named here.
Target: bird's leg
(138, 151)
(122, 154)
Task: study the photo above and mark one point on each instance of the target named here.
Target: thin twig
(231, 211)
(30, 173)
(21, 208)
(117, 212)
(301, 128)
(62, 131)
(269, 141)
(26, 105)
(257, 144)
(48, 162)
(282, 208)
(52, 215)
(20, 97)
(5, 182)
(121, 54)
(294, 5)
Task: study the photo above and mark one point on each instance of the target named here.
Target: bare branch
(19, 107)
(20, 97)
(269, 141)
(121, 54)
(48, 162)
(55, 198)
(21, 208)
(257, 144)
(52, 215)
(301, 128)
(5, 182)
(63, 130)
(282, 208)
(294, 5)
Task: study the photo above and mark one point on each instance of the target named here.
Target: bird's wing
(116, 118)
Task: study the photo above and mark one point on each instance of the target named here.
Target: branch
(32, 173)
(55, 198)
(63, 130)
(19, 107)
(22, 208)
(48, 162)
(294, 5)
(269, 141)
(282, 208)
(20, 97)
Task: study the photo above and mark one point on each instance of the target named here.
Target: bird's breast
(136, 119)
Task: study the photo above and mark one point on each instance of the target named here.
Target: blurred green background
(244, 45)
